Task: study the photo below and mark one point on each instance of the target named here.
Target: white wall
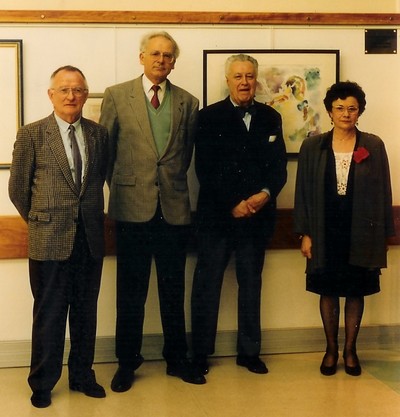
(109, 54)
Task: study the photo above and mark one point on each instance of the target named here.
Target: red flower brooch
(360, 154)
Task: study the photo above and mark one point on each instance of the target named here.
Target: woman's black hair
(342, 90)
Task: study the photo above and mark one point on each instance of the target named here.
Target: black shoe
(252, 363)
(123, 379)
(135, 363)
(186, 371)
(328, 370)
(352, 370)
(88, 386)
(41, 398)
(201, 363)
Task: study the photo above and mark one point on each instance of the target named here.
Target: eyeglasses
(76, 91)
(157, 56)
(342, 109)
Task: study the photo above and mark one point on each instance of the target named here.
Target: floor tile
(293, 388)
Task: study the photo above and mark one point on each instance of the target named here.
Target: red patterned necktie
(154, 100)
(76, 156)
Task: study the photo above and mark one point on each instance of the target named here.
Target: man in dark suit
(241, 167)
(59, 193)
(151, 124)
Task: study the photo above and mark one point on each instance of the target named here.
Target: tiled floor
(293, 388)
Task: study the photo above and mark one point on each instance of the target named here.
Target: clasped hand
(249, 207)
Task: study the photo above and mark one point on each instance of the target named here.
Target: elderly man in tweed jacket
(65, 217)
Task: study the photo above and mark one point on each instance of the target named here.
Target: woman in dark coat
(343, 213)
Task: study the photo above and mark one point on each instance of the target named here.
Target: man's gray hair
(69, 68)
(146, 38)
(241, 58)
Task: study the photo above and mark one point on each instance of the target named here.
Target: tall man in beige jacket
(151, 124)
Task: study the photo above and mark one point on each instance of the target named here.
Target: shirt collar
(147, 84)
(64, 126)
(237, 105)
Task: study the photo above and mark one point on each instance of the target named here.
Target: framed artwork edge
(92, 107)
(16, 110)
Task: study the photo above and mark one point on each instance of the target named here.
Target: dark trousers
(214, 252)
(60, 288)
(137, 243)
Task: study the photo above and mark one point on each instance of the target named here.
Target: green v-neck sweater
(160, 121)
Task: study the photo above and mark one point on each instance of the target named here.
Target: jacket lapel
(177, 102)
(137, 100)
(89, 138)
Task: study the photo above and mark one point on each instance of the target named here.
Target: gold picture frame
(11, 104)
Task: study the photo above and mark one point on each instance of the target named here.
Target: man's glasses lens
(76, 91)
(157, 55)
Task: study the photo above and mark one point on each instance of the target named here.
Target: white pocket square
(272, 138)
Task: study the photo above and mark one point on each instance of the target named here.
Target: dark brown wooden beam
(14, 237)
(171, 17)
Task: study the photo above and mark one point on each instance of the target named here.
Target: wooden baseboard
(14, 236)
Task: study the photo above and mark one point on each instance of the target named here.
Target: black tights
(330, 312)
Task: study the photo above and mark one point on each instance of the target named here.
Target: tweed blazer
(137, 175)
(42, 189)
(232, 164)
(372, 216)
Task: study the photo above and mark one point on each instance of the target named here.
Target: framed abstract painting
(294, 82)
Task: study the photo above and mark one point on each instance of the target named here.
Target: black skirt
(339, 278)
(355, 282)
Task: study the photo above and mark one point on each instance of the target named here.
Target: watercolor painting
(294, 82)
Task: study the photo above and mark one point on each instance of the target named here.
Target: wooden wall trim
(171, 17)
(14, 236)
